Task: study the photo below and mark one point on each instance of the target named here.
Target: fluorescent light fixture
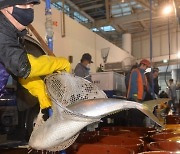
(95, 30)
(178, 54)
(167, 10)
(108, 28)
(165, 61)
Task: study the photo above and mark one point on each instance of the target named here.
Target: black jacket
(82, 71)
(12, 54)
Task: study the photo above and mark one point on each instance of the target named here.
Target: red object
(134, 144)
(158, 152)
(164, 136)
(97, 149)
(139, 130)
(145, 62)
(55, 23)
(131, 143)
(122, 133)
(172, 119)
(164, 145)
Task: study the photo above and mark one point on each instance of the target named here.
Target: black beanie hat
(8, 3)
(87, 57)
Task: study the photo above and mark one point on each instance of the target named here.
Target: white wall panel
(137, 48)
(173, 43)
(145, 47)
(160, 45)
(156, 46)
(77, 41)
(164, 45)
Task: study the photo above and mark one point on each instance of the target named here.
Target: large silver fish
(76, 104)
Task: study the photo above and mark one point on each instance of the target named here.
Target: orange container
(172, 126)
(106, 132)
(131, 143)
(172, 119)
(167, 130)
(123, 133)
(87, 138)
(135, 144)
(164, 136)
(164, 145)
(158, 152)
(140, 130)
(97, 149)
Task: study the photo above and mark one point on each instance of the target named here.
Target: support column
(126, 42)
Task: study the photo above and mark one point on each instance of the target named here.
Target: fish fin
(65, 144)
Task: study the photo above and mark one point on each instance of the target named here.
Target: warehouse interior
(101, 112)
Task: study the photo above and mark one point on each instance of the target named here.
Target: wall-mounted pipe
(151, 50)
(49, 25)
(49, 31)
(63, 30)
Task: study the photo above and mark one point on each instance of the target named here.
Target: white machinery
(123, 66)
(110, 82)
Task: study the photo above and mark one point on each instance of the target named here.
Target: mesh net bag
(65, 89)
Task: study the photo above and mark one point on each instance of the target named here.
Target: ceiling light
(178, 54)
(165, 61)
(167, 10)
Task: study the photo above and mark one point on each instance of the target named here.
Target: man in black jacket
(82, 69)
(15, 15)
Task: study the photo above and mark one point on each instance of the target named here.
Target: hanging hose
(151, 73)
(169, 56)
(49, 25)
(49, 32)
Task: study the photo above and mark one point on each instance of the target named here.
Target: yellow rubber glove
(45, 65)
(41, 66)
(36, 87)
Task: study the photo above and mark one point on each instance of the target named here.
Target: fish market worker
(82, 69)
(15, 15)
(138, 85)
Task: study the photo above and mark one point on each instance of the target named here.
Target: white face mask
(148, 70)
(88, 66)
